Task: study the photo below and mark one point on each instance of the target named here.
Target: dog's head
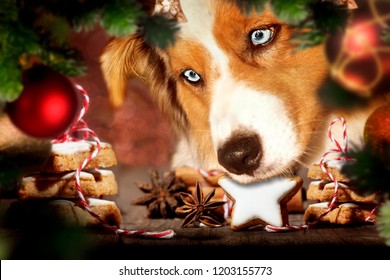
(232, 85)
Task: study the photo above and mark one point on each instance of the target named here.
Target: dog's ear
(131, 57)
(122, 59)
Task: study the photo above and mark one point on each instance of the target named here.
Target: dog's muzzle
(241, 154)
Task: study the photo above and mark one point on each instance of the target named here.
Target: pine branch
(119, 18)
(158, 30)
(383, 222)
(291, 11)
(333, 95)
(386, 35)
(369, 171)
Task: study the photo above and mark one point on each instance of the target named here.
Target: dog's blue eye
(191, 76)
(262, 36)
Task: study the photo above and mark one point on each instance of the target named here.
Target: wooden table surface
(319, 242)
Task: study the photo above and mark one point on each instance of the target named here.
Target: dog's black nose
(241, 154)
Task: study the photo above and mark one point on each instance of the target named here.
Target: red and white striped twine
(79, 125)
(370, 218)
(339, 150)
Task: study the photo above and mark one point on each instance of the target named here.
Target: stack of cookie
(350, 207)
(53, 192)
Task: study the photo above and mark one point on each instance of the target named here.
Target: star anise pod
(162, 195)
(200, 209)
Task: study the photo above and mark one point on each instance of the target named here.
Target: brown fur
(293, 76)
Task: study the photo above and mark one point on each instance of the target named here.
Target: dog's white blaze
(236, 106)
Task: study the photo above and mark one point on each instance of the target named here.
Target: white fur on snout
(237, 107)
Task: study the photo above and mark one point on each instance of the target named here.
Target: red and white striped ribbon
(370, 218)
(80, 126)
(287, 228)
(339, 151)
(208, 173)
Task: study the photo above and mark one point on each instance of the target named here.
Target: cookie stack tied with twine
(53, 192)
(329, 172)
(74, 170)
(337, 201)
(349, 207)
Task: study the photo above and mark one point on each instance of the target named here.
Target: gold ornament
(170, 8)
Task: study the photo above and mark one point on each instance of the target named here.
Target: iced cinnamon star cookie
(260, 203)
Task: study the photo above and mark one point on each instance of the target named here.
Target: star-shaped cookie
(260, 203)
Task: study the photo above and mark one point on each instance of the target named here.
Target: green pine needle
(383, 222)
(8, 11)
(307, 36)
(86, 22)
(10, 79)
(369, 172)
(386, 35)
(120, 18)
(159, 31)
(329, 17)
(334, 95)
(291, 11)
(68, 62)
(57, 29)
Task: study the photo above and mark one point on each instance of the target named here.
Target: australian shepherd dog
(241, 99)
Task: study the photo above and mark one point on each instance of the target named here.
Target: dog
(239, 97)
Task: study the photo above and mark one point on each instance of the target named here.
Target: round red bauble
(358, 56)
(377, 130)
(47, 105)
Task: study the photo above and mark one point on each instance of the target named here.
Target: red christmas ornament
(47, 105)
(359, 57)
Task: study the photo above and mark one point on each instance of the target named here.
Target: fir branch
(33, 30)
(291, 11)
(333, 95)
(307, 36)
(158, 30)
(8, 11)
(10, 79)
(85, 22)
(383, 222)
(56, 29)
(119, 18)
(68, 61)
(322, 19)
(386, 35)
(369, 172)
(329, 17)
